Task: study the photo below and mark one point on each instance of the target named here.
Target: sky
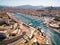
(30, 2)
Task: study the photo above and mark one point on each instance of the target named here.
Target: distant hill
(30, 6)
(5, 7)
(23, 6)
(52, 8)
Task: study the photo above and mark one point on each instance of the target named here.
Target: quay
(23, 33)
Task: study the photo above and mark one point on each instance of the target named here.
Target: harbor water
(37, 21)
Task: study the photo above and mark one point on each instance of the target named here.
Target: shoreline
(46, 24)
(24, 23)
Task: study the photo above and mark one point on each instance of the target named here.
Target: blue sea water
(54, 36)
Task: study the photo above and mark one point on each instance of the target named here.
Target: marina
(19, 30)
(53, 35)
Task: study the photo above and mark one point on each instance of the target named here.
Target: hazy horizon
(30, 2)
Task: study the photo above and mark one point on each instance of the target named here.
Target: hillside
(31, 10)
